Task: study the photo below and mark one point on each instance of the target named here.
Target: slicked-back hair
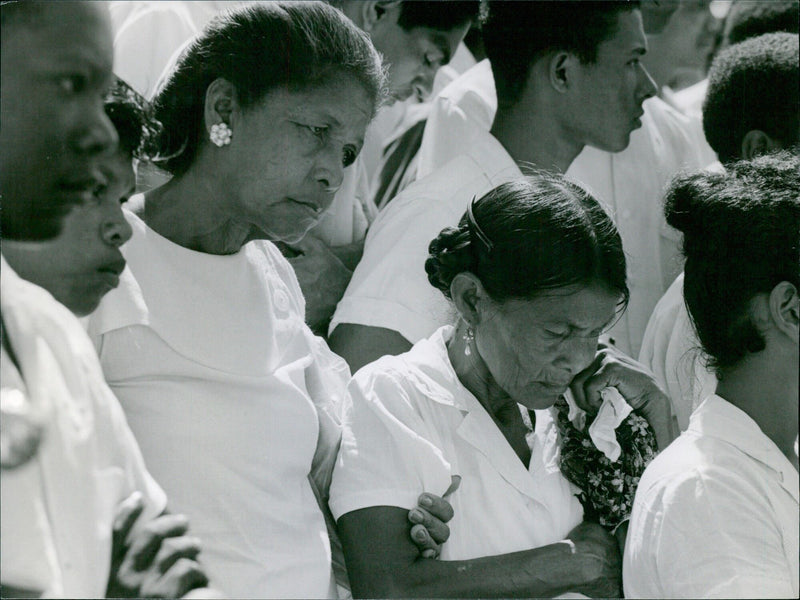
(258, 48)
(516, 34)
(529, 236)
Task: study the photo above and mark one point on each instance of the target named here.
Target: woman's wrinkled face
(288, 153)
(534, 348)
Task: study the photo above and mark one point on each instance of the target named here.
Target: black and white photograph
(335, 299)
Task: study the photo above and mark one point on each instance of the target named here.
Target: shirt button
(281, 300)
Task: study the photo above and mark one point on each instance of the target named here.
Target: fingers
(128, 512)
(433, 527)
(439, 507)
(173, 549)
(185, 575)
(590, 404)
(427, 546)
(148, 541)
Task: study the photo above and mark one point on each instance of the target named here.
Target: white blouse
(412, 426)
(232, 399)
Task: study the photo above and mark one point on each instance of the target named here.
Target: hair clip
(473, 225)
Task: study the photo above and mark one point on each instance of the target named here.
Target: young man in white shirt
(567, 75)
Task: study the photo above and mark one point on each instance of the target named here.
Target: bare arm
(360, 344)
(383, 562)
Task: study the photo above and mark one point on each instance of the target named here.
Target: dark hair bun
(450, 254)
(688, 202)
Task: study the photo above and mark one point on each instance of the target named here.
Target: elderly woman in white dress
(233, 401)
(536, 271)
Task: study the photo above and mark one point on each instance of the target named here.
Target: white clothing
(147, 34)
(671, 350)
(690, 100)
(630, 183)
(347, 218)
(412, 426)
(715, 514)
(389, 287)
(234, 403)
(58, 509)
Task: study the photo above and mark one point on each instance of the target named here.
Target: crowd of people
(394, 298)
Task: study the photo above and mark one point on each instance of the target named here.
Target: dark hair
(753, 85)
(257, 48)
(741, 237)
(132, 118)
(529, 235)
(443, 15)
(750, 19)
(516, 34)
(21, 12)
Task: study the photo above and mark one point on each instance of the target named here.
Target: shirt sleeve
(389, 455)
(717, 538)
(389, 287)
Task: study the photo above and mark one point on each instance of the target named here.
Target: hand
(430, 517)
(21, 429)
(160, 560)
(599, 560)
(323, 279)
(612, 368)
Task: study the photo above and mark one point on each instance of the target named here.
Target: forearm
(542, 572)
(382, 562)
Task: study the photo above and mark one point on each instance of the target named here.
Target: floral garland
(607, 488)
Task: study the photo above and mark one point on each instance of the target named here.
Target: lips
(110, 272)
(312, 206)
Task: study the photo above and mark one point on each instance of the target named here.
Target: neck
(473, 373)
(766, 391)
(533, 137)
(191, 210)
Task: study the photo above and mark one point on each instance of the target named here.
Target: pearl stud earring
(220, 134)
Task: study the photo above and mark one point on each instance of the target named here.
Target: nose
(647, 87)
(329, 170)
(576, 353)
(115, 229)
(97, 134)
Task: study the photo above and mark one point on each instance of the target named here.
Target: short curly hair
(741, 237)
(753, 85)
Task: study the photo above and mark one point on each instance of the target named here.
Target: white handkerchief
(613, 411)
(602, 431)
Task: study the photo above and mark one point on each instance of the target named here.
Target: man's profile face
(413, 56)
(56, 67)
(604, 102)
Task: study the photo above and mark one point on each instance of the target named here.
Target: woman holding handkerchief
(536, 272)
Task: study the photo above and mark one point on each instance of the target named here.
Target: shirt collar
(718, 418)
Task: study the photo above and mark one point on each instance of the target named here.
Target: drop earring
(220, 134)
(469, 337)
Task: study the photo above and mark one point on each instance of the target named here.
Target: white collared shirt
(58, 509)
(389, 287)
(715, 514)
(671, 350)
(413, 425)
